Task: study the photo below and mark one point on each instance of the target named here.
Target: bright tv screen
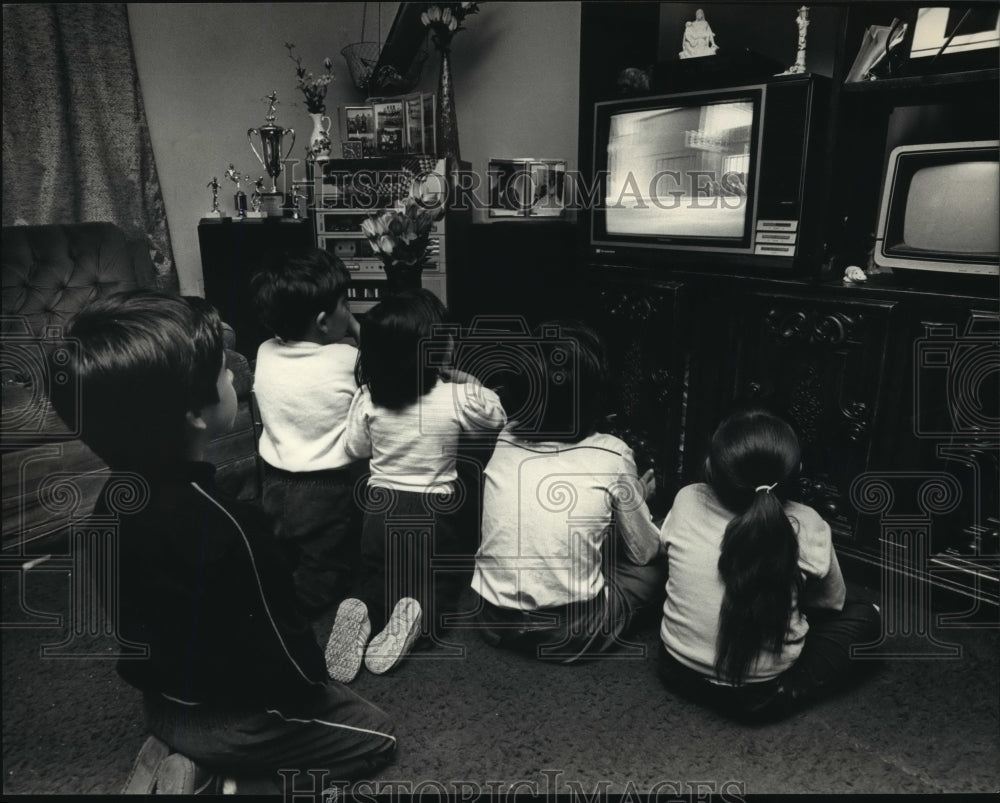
(940, 208)
(954, 209)
(681, 171)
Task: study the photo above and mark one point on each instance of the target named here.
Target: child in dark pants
(234, 679)
(304, 384)
(755, 621)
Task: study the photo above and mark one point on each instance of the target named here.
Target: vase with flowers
(399, 236)
(313, 89)
(444, 21)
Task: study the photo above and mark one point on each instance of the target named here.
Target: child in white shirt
(566, 530)
(407, 418)
(304, 384)
(756, 621)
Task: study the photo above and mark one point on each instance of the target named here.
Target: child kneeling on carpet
(407, 417)
(566, 533)
(304, 384)
(755, 622)
(234, 678)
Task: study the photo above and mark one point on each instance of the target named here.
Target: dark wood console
(889, 391)
(893, 385)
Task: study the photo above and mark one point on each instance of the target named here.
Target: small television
(715, 177)
(940, 209)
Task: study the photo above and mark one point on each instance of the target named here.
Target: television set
(940, 209)
(716, 177)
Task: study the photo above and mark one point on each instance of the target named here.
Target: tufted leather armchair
(49, 273)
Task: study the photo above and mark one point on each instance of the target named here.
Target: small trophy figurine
(240, 197)
(255, 197)
(296, 206)
(802, 21)
(214, 186)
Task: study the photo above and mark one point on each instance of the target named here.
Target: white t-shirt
(547, 509)
(304, 391)
(692, 535)
(414, 449)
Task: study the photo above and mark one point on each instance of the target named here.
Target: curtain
(76, 144)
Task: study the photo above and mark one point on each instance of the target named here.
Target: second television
(722, 173)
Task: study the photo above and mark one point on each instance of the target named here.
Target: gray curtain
(76, 144)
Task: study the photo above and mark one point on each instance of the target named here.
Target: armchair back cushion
(51, 272)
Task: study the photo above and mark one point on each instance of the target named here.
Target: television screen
(681, 171)
(953, 209)
(940, 208)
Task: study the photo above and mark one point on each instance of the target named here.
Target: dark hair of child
(143, 359)
(753, 457)
(397, 336)
(574, 375)
(291, 290)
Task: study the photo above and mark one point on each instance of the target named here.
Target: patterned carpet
(484, 721)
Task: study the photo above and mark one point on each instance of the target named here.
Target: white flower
(386, 245)
(446, 16)
(425, 19)
(434, 14)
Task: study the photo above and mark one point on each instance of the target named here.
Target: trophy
(255, 197)
(270, 154)
(240, 197)
(214, 186)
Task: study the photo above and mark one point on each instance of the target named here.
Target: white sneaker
(390, 646)
(346, 647)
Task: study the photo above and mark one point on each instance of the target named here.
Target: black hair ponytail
(753, 454)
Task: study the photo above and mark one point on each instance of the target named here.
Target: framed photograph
(359, 123)
(389, 131)
(951, 30)
(548, 188)
(527, 188)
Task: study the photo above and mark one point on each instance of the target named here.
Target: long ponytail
(752, 456)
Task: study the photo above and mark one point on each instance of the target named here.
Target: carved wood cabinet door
(825, 365)
(644, 330)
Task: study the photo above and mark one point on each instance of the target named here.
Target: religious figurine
(802, 21)
(699, 39)
(214, 186)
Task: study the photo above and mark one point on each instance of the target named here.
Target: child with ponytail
(755, 622)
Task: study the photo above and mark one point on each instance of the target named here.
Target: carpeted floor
(485, 720)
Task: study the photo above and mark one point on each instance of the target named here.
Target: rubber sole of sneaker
(142, 778)
(177, 776)
(390, 646)
(345, 648)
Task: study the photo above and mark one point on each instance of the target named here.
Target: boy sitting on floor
(234, 679)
